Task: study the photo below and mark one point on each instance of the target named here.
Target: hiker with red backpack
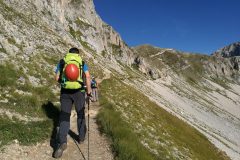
(69, 73)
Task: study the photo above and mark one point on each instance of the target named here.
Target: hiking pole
(88, 124)
(79, 149)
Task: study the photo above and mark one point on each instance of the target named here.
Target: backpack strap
(61, 66)
(82, 75)
(81, 68)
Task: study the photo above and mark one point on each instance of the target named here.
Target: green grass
(11, 41)
(53, 59)
(11, 14)
(29, 103)
(83, 25)
(116, 49)
(125, 143)
(28, 133)
(147, 50)
(25, 133)
(8, 75)
(135, 66)
(94, 69)
(221, 81)
(104, 53)
(86, 46)
(38, 68)
(34, 103)
(190, 66)
(166, 135)
(76, 34)
(3, 50)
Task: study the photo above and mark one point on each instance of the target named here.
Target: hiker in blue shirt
(94, 86)
(72, 92)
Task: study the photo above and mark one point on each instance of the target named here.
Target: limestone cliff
(32, 26)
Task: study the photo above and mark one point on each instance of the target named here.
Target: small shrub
(135, 66)
(8, 75)
(222, 82)
(104, 53)
(3, 50)
(83, 24)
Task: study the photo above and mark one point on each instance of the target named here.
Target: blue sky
(200, 26)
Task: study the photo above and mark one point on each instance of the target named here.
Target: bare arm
(57, 72)
(88, 81)
(56, 76)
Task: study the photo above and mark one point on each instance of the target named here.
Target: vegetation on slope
(20, 97)
(167, 137)
(192, 67)
(125, 142)
(147, 50)
(186, 64)
(25, 133)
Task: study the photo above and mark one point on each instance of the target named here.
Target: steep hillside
(34, 36)
(161, 59)
(200, 90)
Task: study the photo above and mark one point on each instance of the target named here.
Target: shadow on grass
(52, 112)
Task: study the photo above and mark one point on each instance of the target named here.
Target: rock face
(232, 53)
(229, 51)
(32, 26)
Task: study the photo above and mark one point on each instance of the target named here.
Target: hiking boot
(80, 141)
(58, 153)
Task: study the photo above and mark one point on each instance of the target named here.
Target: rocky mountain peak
(229, 51)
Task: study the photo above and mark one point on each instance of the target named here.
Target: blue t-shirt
(93, 83)
(85, 67)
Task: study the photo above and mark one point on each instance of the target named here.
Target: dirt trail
(99, 145)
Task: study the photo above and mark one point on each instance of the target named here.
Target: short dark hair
(74, 50)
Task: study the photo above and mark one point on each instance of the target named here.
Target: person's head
(74, 50)
(77, 51)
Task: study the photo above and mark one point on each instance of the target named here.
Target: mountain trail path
(99, 145)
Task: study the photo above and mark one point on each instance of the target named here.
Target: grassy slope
(126, 110)
(125, 142)
(36, 102)
(184, 64)
(25, 133)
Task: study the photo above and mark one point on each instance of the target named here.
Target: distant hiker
(94, 86)
(69, 74)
